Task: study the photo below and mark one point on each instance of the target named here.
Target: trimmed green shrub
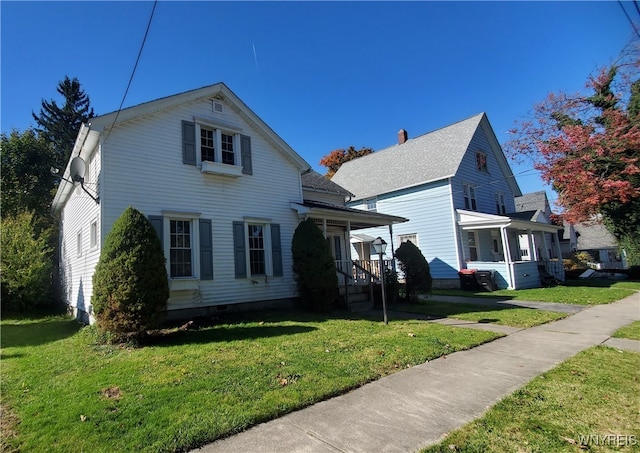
(314, 268)
(130, 284)
(25, 264)
(415, 268)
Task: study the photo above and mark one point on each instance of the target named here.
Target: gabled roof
(532, 201)
(90, 132)
(430, 157)
(313, 180)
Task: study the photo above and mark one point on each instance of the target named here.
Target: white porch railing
(361, 271)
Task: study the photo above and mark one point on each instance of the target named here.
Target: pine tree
(60, 125)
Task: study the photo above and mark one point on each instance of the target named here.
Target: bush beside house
(415, 268)
(314, 268)
(130, 285)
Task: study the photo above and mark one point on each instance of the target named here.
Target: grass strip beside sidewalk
(587, 403)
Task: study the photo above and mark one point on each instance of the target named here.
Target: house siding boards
(139, 163)
(146, 170)
(430, 217)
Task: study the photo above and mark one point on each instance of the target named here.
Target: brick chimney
(402, 136)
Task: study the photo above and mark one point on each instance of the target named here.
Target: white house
(456, 187)
(222, 189)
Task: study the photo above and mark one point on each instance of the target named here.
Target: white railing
(361, 270)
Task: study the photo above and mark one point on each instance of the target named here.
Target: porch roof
(358, 218)
(471, 220)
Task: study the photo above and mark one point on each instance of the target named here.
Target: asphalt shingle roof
(429, 157)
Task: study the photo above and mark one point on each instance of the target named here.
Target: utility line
(629, 18)
(135, 66)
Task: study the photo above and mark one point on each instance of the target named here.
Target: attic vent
(217, 106)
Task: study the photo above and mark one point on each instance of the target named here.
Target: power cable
(629, 18)
(135, 66)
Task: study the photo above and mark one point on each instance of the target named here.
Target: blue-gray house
(457, 190)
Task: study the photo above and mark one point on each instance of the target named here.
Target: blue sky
(323, 75)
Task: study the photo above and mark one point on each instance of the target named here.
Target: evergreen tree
(413, 264)
(60, 125)
(130, 284)
(314, 267)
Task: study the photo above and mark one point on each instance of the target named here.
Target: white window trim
(217, 167)
(93, 235)
(476, 246)
(268, 251)
(467, 191)
(79, 244)
(407, 237)
(167, 217)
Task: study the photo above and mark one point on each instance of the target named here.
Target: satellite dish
(77, 169)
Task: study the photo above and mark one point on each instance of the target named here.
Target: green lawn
(632, 331)
(588, 403)
(516, 317)
(62, 392)
(581, 292)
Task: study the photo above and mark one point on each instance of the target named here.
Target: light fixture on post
(380, 246)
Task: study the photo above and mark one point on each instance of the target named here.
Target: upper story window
(470, 202)
(220, 150)
(481, 162)
(371, 204)
(501, 207)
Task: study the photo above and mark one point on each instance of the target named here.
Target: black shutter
(239, 253)
(206, 250)
(188, 143)
(245, 151)
(276, 250)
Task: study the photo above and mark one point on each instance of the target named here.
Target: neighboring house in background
(535, 206)
(456, 187)
(600, 244)
(593, 238)
(222, 189)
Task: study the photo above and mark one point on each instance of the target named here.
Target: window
(217, 145)
(188, 244)
(216, 149)
(408, 237)
(473, 246)
(180, 252)
(371, 204)
(227, 149)
(207, 144)
(481, 162)
(257, 248)
(469, 197)
(257, 263)
(93, 234)
(501, 208)
(79, 243)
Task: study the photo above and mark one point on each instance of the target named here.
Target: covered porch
(338, 224)
(522, 253)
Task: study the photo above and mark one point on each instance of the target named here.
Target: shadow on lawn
(438, 310)
(221, 334)
(37, 332)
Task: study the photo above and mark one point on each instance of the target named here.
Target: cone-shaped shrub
(416, 270)
(314, 268)
(130, 285)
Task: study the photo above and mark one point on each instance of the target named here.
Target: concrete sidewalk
(416, 407)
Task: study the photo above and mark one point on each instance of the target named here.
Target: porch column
(546, 247)
(533, 253)
(507, 255)
(324, 228)
(347, 243)
(393, 254)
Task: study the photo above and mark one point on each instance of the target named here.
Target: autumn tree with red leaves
(587, 146)
(337, 157)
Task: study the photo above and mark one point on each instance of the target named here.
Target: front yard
(62, 392)
(581, 292)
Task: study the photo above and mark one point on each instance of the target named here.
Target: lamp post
(379, 245)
